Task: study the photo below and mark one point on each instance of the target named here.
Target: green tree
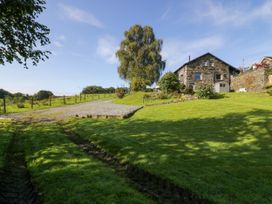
(20, 33)
(4, 93)
(43, 94)
(139, 54)
(169, 83)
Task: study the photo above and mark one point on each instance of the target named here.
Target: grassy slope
(56, 102)
(64, 174)
(220, 149)
(5, 137)
(136, 98)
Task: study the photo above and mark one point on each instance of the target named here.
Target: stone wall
(252, 81)
(208, 66)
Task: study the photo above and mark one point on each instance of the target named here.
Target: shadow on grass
(226, 159)
(64, 174)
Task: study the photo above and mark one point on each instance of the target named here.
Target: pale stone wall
(252, 81)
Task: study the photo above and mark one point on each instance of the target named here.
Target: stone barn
(207, 68)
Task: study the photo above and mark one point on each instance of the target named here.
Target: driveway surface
(93, 109)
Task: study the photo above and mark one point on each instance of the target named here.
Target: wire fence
(14, 105)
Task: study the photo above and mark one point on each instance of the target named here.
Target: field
(12, 107)
(218, 149)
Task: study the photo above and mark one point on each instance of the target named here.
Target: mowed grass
(6, 132)
(64, 174)
(220, 149)
(136, 98)
(55, 102)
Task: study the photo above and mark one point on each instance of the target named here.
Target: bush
(120, 92)
(189, 91)
(169, 83)
(269, 92)
(162, 95)
(205, 91)
(43, 94)
(20, 105)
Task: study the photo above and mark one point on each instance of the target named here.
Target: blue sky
(86, 33)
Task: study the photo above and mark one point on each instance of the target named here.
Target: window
(212, 64)
(222, 85)
(198, 76)
(218, 76)
(225, 76)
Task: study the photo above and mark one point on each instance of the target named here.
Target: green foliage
(4, 93)
(219, 149)
(97, 90)
(205, 91)
(140, 61)
(120, 92)
(188, 90)
(20, 33)
(43, 94)
(169, 83)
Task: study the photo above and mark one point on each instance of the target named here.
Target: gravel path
(93, 109)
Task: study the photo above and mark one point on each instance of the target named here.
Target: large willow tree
(139, 54)
(20, 33)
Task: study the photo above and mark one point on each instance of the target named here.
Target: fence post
(32, 102)
(64, 100)
(4, 103)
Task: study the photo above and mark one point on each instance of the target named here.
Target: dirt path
(16, 186)
(93, 109)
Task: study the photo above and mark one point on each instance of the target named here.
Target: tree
(43, 94)
(139, 54)
(4, 93)
(93, 90)
(20, 33)
(169, 83)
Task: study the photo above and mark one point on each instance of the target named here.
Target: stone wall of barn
(252, 81)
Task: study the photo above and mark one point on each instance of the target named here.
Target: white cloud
(235, 15)
(106, 48)
(176, 52)
(58, 44)
(62, 37)
(165, 14)
(82, 16)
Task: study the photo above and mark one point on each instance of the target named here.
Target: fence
(12, 105)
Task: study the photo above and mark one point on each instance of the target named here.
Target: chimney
(189, 58)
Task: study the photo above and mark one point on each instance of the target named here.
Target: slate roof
(191, 61)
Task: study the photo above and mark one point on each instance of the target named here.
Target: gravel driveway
(93, 109)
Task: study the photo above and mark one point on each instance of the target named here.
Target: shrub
(162, 95)
(269, 92)
(169, 83)
(189, 90)
(205, 91)
(43, 94)
(120, 92)
(20, 105)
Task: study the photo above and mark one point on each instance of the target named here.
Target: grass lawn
(5, 138)
(64, 174)
(55, 102)
(220, 149)
(136, 98)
